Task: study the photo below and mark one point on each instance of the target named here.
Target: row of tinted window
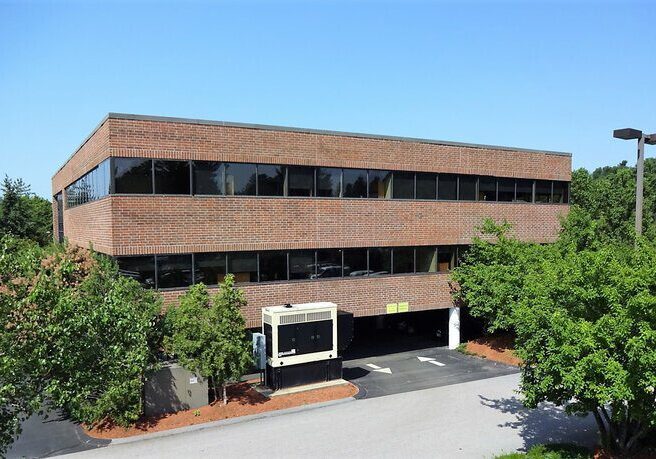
(93, 185)
(146, 176)
(172, 271)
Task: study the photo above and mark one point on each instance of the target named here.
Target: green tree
(586, 331)
(23, 214)
(208, 335)
(585, 324)
(75, 333)
(491, 276)
(607, 196)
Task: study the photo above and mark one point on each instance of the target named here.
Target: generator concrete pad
(306, 387)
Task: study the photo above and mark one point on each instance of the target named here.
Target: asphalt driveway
(477, 419)
(50, 436)
(418, 369)
(376, 376)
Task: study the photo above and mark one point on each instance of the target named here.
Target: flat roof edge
(127, 116)
(86, 139)
(267, 127)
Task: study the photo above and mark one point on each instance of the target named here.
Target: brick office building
(298, 215)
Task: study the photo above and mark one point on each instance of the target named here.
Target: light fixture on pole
(630, 134)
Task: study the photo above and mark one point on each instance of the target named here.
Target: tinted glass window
(404, 185)
(524, 190)
(380, 261)
(173, 271)
(243, 265)
(133, 175)
(426, 260)
(141, 269)
(270, 180)
(91, 186)
(487, 189)
(354, 183)
(447, 187)
(467, 188)
(300, 181)
(208, 177)
(426, 185)
(404, 260)
(240, 179)
(328, 181)
(542, 191)
(380, 184)
(355, 262)
(273, 266)
(329, 263)
(172, 177)
(60, 217)
(301, 264)
(210, 268)
(446, 257)
(506, 189)
(561, 192)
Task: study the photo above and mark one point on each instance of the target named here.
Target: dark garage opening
(392, 333)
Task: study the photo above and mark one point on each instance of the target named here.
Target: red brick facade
(130, 225)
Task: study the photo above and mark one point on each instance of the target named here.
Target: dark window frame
(75, 197)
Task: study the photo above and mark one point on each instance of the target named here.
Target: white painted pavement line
(430, 360)
(379, 369)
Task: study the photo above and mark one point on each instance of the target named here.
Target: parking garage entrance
(402, 332)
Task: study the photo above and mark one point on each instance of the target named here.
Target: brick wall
(90, 224)
(159, 139)
(179, 140)
(362, 296)
(88, 156)
(178, 224)
(123, 225)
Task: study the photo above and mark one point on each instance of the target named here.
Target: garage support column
(454, 327)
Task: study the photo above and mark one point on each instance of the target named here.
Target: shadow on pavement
(545, 424)
(51, 434)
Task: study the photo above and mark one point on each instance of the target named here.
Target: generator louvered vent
(267, 319)
(292, 318)
(322, 315)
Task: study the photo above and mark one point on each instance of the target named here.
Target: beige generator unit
(301, 344)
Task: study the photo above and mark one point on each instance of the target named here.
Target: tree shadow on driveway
(545, 424)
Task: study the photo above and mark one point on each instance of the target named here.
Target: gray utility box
(173, 388)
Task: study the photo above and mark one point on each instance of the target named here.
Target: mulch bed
(498, 348)
(242, 401)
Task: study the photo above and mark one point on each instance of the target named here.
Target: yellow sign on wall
(392, 308)
(403, 307)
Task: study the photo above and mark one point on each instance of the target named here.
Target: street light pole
(640, 178)
(627, 134)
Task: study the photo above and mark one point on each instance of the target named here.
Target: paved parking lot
(418, 369)
(419, 366)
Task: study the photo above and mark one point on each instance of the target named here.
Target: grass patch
(462, 348)
(555, 451)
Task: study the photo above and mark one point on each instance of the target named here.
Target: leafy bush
(555, 451)
(74, 332)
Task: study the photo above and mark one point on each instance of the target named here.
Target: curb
(230, 421)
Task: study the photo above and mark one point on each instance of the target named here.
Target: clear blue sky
(553, 75)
